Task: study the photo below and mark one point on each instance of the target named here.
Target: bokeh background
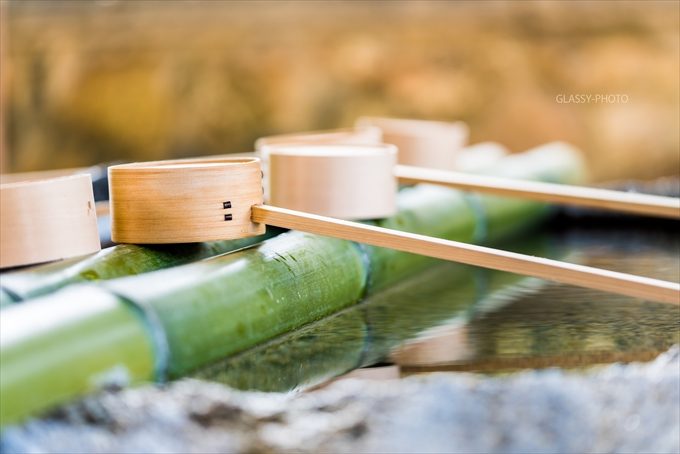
(88, 82)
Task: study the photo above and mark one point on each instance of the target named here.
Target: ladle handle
(645, 204)
(553, 270)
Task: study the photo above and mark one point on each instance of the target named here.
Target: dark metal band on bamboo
(46, 220)
(184, 201)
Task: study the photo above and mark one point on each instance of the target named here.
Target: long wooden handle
(567, 273)
(650, 205)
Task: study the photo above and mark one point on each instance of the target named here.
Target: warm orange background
(86, 82)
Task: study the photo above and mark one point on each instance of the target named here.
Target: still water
(461, 318)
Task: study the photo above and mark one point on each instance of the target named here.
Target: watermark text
(589, 98)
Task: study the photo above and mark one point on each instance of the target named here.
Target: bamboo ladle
(204, 199)
(428, 151)
(46, 217)
(428, 145)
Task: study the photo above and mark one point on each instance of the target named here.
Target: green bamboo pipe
(206, 311)
(114, 262)
(349, 339)
(224, 305)
(365, 333)
(76, 341)
(229, 307)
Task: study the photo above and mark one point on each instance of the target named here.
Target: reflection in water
(455, 317)
(562, 325)
(365, 334)
(301, 359)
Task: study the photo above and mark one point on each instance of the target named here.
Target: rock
(617, 408)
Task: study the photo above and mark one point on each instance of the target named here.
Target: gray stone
(617, 408)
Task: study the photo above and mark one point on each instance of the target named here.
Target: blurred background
(88, 82)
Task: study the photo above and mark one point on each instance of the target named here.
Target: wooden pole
(645, 204)
(567, 273)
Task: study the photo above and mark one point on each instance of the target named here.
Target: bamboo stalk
(74, 342)
(360, 335)
(203, 306)
(114, 262)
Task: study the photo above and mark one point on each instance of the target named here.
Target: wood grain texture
(46, 220)
(566, 273)
(184, 201)
(644, 204)
(342, 181)
(422, 143)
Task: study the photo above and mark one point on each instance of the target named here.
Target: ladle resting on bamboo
(201, 200)
(427, 154)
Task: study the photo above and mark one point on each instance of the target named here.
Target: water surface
(462, 318)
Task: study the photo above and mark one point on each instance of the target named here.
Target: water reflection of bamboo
(301, 359)
(367, 333)
(561, 326)
(554, 327)
(458, 318)
(448, 341)
(592, 326)
(530, 362)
